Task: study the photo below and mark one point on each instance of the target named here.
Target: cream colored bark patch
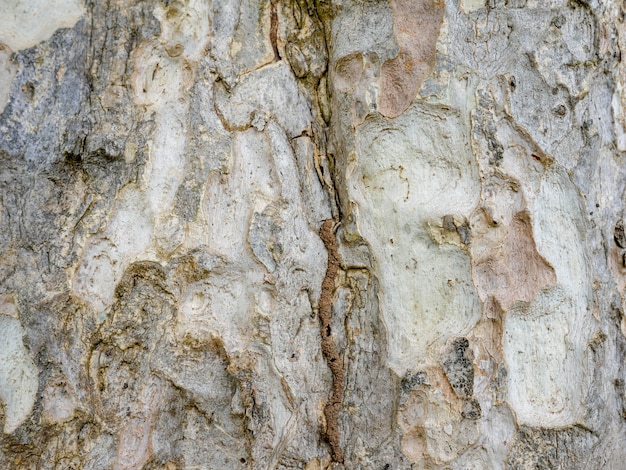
(139, 224)
(59, 400)
(24, 23)
(410, 172)
(472, 5)
(8, 69)
(18, 374)
(545, 341)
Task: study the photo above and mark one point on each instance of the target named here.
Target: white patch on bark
(18, 373)
(24, 23)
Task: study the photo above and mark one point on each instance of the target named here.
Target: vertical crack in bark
(274, 30)
(334, 404)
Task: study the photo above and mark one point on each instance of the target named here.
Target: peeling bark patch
(348, 71)
(416, 28)
(433, 410)
(333, 407)
(529, 272)
(516, 271)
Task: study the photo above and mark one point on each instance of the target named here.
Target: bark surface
(313, 234)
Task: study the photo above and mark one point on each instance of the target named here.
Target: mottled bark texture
(315, 234)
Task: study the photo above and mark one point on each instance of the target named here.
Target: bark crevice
(333, 359)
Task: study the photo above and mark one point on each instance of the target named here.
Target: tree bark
(313, 234)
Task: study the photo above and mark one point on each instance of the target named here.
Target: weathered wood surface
(312, 234)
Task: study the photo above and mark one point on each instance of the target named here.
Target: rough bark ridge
(312, 234)
(333, 359)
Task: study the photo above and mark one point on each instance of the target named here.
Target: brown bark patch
(513, 271)
(416, 28)
(274, 30)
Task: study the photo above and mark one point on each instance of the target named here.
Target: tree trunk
(312, 234)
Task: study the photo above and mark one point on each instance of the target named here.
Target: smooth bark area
(314, 234)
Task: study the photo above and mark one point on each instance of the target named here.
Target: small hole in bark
(29, 90)
(73, 158)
